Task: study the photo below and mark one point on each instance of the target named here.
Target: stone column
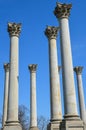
(71, 119)
(12, 114)
(78, 71)
(33, 111)
(6, 89)
(62, 12)
(55, 101)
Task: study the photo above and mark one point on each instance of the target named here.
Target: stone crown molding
(14, 29)
(6, 66)
(62, 10)
(32, 67)
(78, 69)
(51, 32)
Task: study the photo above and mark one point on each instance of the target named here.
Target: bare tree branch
(42, 123)
(24, 117)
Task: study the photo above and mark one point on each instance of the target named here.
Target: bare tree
(42, 123)
(25, 122)
(24, 117)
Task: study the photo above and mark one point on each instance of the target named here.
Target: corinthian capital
(6, 66)
(51, 32)
(78, 69)
(62, 10)
(14, 29)
(32, 67)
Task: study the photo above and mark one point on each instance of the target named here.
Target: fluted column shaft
(14, 31)
(33, 111)
(62, 12)
(78, 71)
(55, 101)
(6, 89)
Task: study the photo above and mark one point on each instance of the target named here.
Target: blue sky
(33, 45)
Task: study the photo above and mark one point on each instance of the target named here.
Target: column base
(33, 128)
(71, 122)
(84, 126)
(11, 125)
(54, 125)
